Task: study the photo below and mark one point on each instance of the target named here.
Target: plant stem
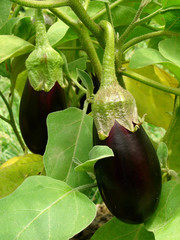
(109, 75)
(136, 40)
(85, 187)
(90, 50)
(103, 11)
(12, 121)
(79, 86)
(131, 25)
(108, 11)
(150, 82)
(41, 36)
(65, 18)
(79, 10)
(42, 4)
(16, 11)
(5, 119)
(84, 38)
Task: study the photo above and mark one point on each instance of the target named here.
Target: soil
(103, 216)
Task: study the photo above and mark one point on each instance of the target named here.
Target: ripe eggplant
(130, 182)
(34, 108)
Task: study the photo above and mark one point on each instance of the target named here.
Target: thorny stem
(150, 82)
(12, 121)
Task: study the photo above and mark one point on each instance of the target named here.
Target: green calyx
(112, 102)
(44, 64)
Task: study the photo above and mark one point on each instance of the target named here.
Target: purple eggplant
(130, 182)
(34, 109)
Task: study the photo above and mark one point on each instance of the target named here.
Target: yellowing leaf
(14, 171)
(157, 104)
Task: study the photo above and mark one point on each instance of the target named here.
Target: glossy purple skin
(34, 108)
(130, 182)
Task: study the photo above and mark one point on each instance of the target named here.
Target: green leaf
(56, 32)
(12, 46)
(8, 26)
(167, 217)
(43, 208)
(117, 230)
(172, 20)
(24, 28)
(96, 153)
(86, 80)
(4, 11)
(69, 137)
(16, 170)
(146, 56)
(170, 49)
(77, 64)
(170, 3)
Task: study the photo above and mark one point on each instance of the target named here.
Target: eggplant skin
(130, 182)
(34, 109)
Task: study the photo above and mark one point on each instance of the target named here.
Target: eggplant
(34, 109)
(130, 182)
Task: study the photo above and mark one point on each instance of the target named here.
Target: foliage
(59, 204)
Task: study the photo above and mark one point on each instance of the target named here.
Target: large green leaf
(157, 104)
(69, 137)
(12, 46)
(16, 170)
(4, 11)
(43, 208)
(146, 56)
(166, 220)
(117, 230)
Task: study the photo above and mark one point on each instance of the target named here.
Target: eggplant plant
(89, 115)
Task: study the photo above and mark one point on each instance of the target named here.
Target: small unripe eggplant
(34, 108)
(129, 182)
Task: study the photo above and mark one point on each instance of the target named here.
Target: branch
(12, 121)
(136, 40)
(131, 25)
(84, 38)
(42, 4)
(94, 28)
(103, 11)
(150, 82)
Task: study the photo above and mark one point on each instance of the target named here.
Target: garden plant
(89, 113)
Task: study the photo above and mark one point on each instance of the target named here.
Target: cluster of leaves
(58, 205)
